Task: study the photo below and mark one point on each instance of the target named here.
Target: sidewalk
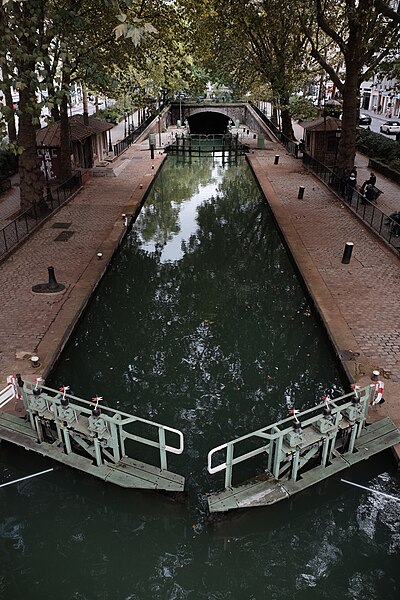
(358, 303)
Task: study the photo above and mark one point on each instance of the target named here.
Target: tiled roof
(50, 136)
(322, 124)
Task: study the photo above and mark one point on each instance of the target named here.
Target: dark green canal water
(200, 323)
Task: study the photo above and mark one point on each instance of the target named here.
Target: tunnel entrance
(208, 122)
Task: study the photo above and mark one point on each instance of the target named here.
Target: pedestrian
(379, 109)
(371, 181)
(350, 186)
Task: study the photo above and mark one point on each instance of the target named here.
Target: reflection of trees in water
(178, 182)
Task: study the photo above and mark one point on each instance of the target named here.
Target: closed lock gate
(299, 451)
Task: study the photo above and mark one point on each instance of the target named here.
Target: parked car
(390, 127)
(364, 119)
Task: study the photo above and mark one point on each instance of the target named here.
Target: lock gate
(300, 451)
(89, 437)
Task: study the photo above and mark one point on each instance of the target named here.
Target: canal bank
(357, 302)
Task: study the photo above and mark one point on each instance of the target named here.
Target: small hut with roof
(322, 138)
(89, 144)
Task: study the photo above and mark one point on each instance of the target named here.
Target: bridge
(215, 117)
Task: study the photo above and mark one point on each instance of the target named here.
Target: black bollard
(53, 285)
(301, 192)
(151, 151)
(276, 161)
(348, 249)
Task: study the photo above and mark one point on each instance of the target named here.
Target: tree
(363, 32)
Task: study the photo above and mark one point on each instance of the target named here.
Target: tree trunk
(287, 127)
(10, 117)
(65, 140)
(351, 109)
(55, 110)
(86, 105)
(31, 176)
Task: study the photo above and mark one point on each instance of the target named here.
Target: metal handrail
(48, 401)
(282, 428)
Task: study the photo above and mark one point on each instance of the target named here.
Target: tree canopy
(138, 49)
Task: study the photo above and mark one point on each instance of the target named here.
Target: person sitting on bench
(369, 193)
(371, 181)
(394, 222)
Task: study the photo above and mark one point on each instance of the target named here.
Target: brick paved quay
(358, 302)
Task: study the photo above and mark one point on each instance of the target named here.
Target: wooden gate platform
(265, 489)
(127, 473)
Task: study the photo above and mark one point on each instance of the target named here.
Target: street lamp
(338, 135)
(110, 148)
(159, 129)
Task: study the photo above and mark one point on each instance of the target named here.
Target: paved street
(358, 302)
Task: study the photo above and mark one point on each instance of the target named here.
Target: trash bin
(261, 140)
(152, 139)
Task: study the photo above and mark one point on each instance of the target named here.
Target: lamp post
(338, 135)
(159, 130)
(110, 148)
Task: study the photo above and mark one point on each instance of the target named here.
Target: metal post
(163, 454)
(228, 469)
(295, 465)
(277, 457)
(276, 161)
(152, 151)
(348, 249)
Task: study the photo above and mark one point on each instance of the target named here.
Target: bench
(5, 184)
(377, 192)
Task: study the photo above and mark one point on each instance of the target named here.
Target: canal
(200, 323)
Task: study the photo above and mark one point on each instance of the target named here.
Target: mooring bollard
(276, 161)
(53, 283)
(348, 249)
(301, 192)
(50, 287)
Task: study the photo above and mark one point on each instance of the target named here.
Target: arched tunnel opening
(208, 122)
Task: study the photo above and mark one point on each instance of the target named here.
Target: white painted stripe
(27, 477)
(371, 490)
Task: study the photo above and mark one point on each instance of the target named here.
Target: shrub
(380, 148)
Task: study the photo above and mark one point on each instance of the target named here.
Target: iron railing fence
(133, 135)
(290, 145)
(381, 223)
(19, 228)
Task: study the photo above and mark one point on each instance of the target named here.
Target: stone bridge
(214, 117)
